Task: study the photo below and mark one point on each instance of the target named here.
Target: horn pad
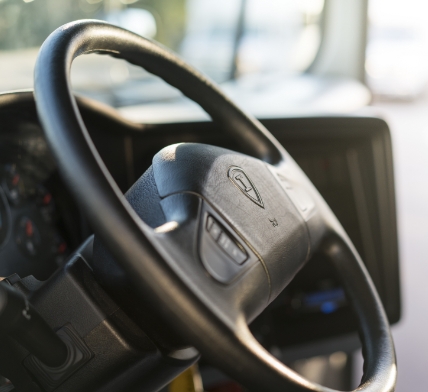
(245, 208)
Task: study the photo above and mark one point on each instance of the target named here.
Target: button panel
(223, 253)
(225, 242)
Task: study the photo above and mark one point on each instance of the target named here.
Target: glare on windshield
(226, 39)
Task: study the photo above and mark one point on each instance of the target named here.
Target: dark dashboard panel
(349, 159)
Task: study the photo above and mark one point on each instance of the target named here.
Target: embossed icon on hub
(274, 222)
(245, 185)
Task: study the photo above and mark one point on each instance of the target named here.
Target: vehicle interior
(195, 196)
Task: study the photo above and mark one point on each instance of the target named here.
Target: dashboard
(349, 160)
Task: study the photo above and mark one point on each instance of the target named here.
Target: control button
(210, 221)
(232, 249)
(225, 242)
(213, 228)
(303, 199)
(284, 181)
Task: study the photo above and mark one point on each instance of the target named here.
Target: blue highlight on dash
(328, 307)
(327, 301)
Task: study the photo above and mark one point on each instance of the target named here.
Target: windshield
(226, 39)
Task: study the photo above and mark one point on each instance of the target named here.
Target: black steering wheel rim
(108, 211)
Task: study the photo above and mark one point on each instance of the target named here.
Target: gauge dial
(14, 184)
(28, 236)
(45, 203)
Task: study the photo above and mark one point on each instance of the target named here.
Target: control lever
(22, 322)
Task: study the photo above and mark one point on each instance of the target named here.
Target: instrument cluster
(32, 241)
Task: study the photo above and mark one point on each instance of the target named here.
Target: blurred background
(276, 58)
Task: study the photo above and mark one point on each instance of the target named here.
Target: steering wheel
(207, 235)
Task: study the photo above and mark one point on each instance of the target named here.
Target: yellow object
(188, 381)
